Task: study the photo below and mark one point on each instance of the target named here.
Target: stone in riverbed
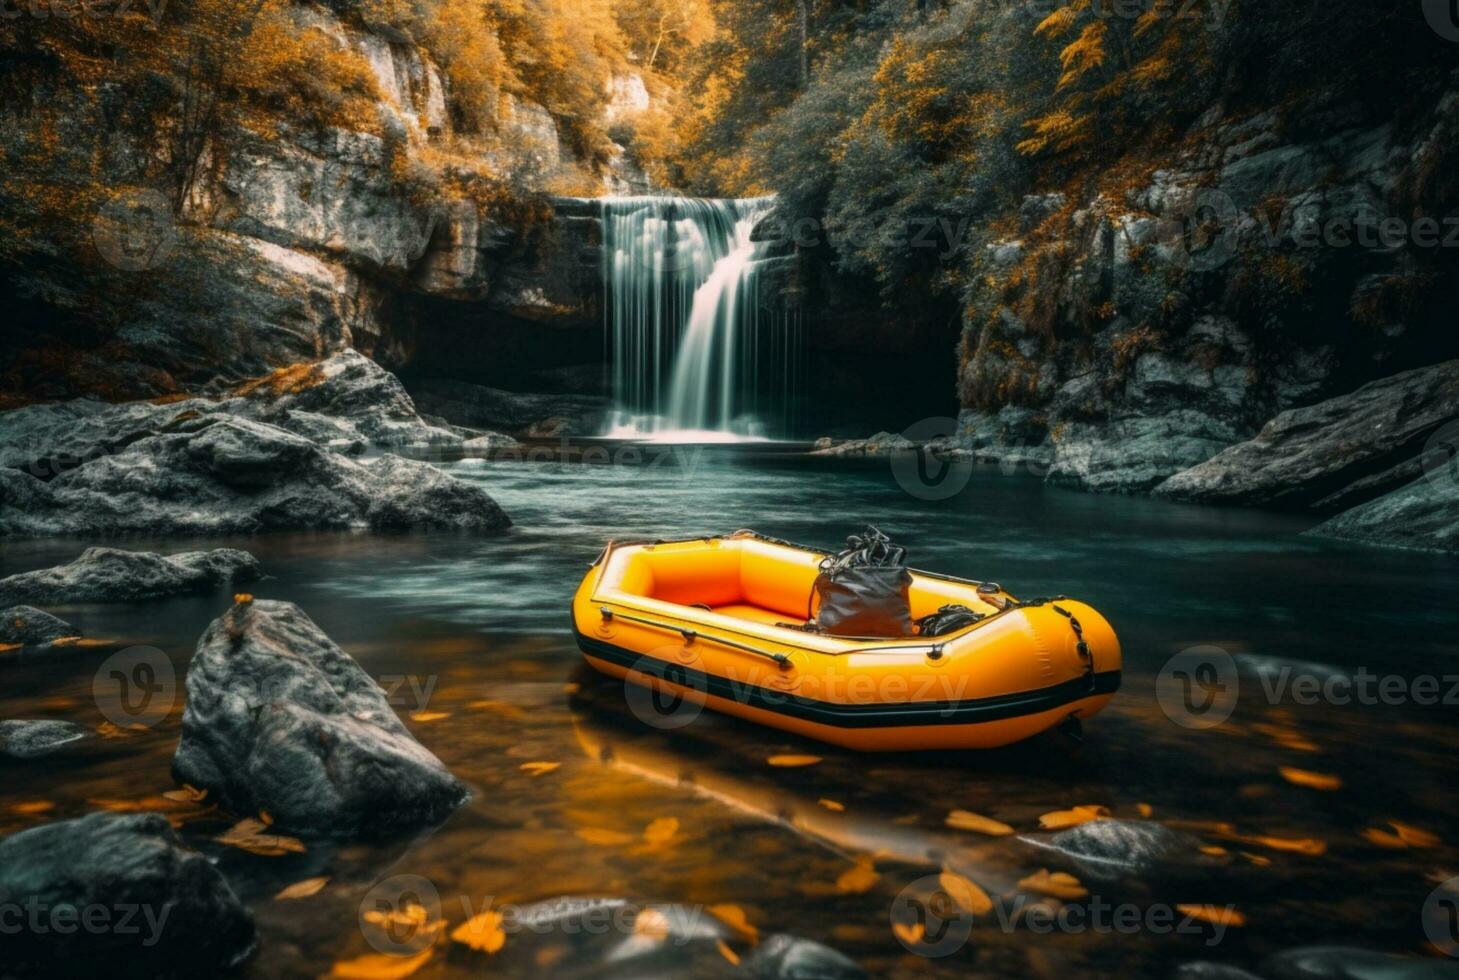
(29, 626)
(1423, 516)
(1206, 970)
(1112, 849)
(786, 957)
(115, 575)
(223, 474)
(281, 719)
(24, 739)
(1349, 963)
(167, 912)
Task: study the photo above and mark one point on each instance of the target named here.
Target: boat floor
(756, 614)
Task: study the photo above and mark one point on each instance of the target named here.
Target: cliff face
(291, 244)
(1138, 329)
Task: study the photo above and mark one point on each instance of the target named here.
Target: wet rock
(30, 626)
(1206, 970)
(279, 718)
(115, 575)
(1133, 455)
(1348, 963)
(218, 474)
(517, 413)
(1107, 850)
(1423, 516)
(20, 739)
(116, 895)
(880, 444)
(1337, 453)
(786, 957)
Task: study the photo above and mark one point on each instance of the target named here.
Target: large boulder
(116, 895)
(222, 474)
(115, 575)
(1423, 516)
(281, 719)
(1335, 454)
(29, 626)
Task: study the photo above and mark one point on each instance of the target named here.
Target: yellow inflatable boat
(719, 622)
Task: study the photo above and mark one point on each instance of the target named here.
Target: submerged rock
(1349, 963)
(517, 413)
(1111, 849)
(164, 911)
(115, 575)
(281, 719)
(221, 473)
(30, 626)
(786, 957)
(1206, 970)
(1334, 454)
(1422, 516)
(28, 739)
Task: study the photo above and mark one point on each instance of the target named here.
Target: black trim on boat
(891, 715)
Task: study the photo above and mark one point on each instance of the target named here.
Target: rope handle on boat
(690, 636)
(1082, 646)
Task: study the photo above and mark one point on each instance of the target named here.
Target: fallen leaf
(793, 761)
(1055, 884)
(248, 835)
(243, 598)
(266, 817)
(1404, 836)
(831, 805)
(1213, 850)
(1382, 838)
(188, 794)
(734, 917)
(1073, 817)
(967, 820)
(968, 896)
(378, 966)
(653, 923)
(861, 877)
(32, 807)
(601, 835)
(302, 889)
(1144, 810)
(910, 933)
(539, 768)
(424, 716)
(1221, 915)
(1260, 860)
(481, 932)
(1309, 846)
(1309, 779)
(661, 830)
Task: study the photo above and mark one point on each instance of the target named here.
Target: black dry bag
(862, 591)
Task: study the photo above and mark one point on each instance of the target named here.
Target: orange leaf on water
(859, 878)
(1056, 884)
(302, 889)
(793, 761)
(1073, 817)
(242, 598)
(248, 835)
(1221, 915)
(653, 923)
(425, 716)
(661, 830)
(539, 768)
(726, 952)
(910, 933)
(604, 836)
(734, 917)
(481, 932)
(1310, 846)
(1144, 810)
(1404, 835)
(831, 805)
(966, 893)
(967, 820)
(188, 794)
(378, 966)
(32, 807)
(1309, 779)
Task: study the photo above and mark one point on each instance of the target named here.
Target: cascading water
(695, 352)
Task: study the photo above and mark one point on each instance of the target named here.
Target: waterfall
(694, 353)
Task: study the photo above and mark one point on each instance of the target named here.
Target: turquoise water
(472, 634)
